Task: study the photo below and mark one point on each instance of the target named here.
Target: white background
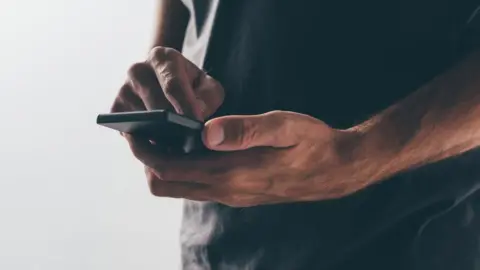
(71, 195)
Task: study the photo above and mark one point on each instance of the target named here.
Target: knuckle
(284, 122)
(277, 115)
(161, 53)
(276, 112)
(246, 183)
(141, 76)
(247, 133)
(136, 70)
(236, 180)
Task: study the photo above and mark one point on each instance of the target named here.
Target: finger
(210, 94)
(202, 192)
(230, 133)
(175, 168)
(249, 200)
(145, 83)
(218, 169)
(127, 100)
(191, 191)
(169, 66)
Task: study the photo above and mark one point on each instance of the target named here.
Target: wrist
(360, 158)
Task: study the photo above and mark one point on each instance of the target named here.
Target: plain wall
(71, 195)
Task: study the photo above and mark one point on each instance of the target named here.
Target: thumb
(238, 132)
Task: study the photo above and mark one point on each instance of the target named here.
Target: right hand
(167, 80)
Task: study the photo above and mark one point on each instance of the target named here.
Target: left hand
(269, 158)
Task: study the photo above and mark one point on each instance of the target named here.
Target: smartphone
(167, 130)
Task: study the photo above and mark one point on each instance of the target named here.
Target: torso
(338, 61)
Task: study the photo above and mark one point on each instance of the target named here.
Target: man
(347, 139)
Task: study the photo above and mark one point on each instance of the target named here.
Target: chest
(325, 57)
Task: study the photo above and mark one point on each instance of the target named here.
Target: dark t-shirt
(342, 62)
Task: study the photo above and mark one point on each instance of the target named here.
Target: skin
(282, 156)
(172, 20)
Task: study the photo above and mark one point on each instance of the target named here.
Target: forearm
(440, 120)
(171, 23)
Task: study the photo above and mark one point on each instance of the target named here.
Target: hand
(270, 158)
(167, 80)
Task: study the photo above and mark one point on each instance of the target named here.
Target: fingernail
(215, 135)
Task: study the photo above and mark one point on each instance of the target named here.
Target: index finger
(175, 81)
